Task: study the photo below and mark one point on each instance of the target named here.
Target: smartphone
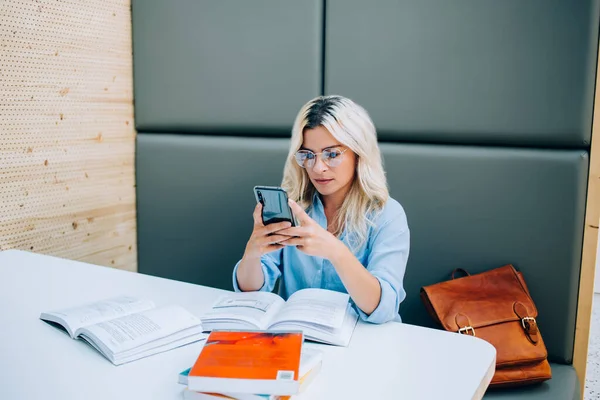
(275, 205)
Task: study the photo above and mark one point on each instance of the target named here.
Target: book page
(339, 336)
(315, 306)
(134, 330)
(91, 313)
(158, 346)
(257, 308)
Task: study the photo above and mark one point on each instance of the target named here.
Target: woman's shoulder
(391, 213)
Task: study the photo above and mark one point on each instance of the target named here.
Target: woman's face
(329, 179)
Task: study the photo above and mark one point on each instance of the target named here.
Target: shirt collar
(318, 210)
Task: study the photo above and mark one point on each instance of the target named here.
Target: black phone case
(280, 192)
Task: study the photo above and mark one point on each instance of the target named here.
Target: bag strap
(464, 324)
(528, 323)
(460, 270)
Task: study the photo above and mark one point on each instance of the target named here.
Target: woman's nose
(319, 165)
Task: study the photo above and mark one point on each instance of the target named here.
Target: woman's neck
(331, 205)
(334, 201)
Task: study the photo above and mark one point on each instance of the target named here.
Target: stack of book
(257, 365)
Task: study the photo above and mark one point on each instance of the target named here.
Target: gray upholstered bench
(195, 219)
(497, 97)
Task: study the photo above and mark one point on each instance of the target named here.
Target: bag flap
(484, 299)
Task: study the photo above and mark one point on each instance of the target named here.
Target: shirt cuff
(236, 287)
(386, 310)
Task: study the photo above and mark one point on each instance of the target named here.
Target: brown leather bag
(495, 306)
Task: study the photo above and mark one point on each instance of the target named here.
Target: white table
(38, 361)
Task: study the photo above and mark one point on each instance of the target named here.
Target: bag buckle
(524, 319)
(466, 330)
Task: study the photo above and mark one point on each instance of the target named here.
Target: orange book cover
(265, 362)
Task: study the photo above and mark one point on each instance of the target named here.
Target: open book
(323, 315)
(125, 328)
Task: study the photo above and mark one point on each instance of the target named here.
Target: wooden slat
(590, 243)
(67, 137)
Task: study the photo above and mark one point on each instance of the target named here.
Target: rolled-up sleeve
(389, 249)
(270, 267)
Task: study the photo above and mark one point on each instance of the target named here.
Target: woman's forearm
(362, 286)
(249, 274)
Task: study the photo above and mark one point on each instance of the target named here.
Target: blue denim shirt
(384, 255)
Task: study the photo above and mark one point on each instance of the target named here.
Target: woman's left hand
(310, 237)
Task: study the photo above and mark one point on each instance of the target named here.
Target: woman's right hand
(264, 238)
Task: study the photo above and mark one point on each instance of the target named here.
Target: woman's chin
(326, 191)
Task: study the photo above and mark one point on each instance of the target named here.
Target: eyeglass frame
(319, 154)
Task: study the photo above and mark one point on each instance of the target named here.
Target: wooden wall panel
(590, 245)
(67, 135)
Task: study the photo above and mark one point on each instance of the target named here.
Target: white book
(323, 315)
(192, 395)
(125, 328)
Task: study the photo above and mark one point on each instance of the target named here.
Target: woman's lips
(323, 181)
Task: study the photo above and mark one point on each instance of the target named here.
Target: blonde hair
(351, 125)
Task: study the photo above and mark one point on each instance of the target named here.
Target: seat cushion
(479, 208)
(505, 72)
(564, 385)
(225, 66)
(195, 202)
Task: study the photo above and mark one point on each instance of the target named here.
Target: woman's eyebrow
(324, 148)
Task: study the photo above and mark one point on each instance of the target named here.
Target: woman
(353, 237)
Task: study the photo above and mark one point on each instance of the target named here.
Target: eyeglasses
(331, 157)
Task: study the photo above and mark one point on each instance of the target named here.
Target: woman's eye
(309, 156)
(334, 154)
